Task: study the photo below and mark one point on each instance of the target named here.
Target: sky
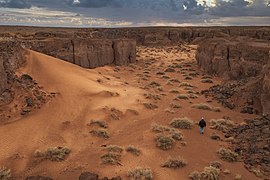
(130, 13)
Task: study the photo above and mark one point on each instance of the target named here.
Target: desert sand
(119, 96)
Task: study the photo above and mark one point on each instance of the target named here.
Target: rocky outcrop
(3, 76)
(252, 142)
(88, 53)
(247, 63)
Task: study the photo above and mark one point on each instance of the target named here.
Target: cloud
(20, 4)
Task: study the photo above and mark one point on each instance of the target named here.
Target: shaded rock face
(88, 53)
(252, 143)
(11, 58)
(246, 64)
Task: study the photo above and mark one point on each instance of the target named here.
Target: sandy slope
(83, 95)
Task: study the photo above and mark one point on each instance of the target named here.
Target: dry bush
(140, 173)
(210, 173)
(227, 155)
(150, 106)
(102, 124)
(206, 77)
(185, 84)
(114, 148)
(159, 128)
(188, 88)
(238, 177)
(221, 124)
(153, 84)
(207, 81)
(182, 96)
(188, 78)
(111, 158)
(166, 77)
(169, 70)
(174, 91)
(182, 123)
(103, 133)
(174, 163)
(175, 105)
(174, 81)
(134, 150)
(160, 73)
(216, 109)
(168, 131)
(202, 106)
(195, 175)
(5, 173)
(152, 96)
(216, 164)
(164, 142)
(193, 74)
(57, 153)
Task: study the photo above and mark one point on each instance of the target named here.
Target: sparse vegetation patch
(140, 173)
(111, 158)
(103, 133)
(100, 123)
(182, 123)
(134, 150)
(227, 155)
(174, 163)
(221, 124)
(164, 142)
(5, 173)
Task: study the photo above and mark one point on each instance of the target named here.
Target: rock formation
(245, 62)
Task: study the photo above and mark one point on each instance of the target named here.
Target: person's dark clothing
(202, 123)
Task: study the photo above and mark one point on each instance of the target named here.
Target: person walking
(202, 125)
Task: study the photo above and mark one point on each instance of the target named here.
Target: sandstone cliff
(246, 62)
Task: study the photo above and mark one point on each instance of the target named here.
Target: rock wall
(246, 62)
(11, 57)
(87, 53)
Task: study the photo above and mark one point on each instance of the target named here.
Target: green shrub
(227, 155)
(164, 142)
(140, 173)
(5, 173)
(133, 150)
(103, 133)
(182, 123)
(174, 163)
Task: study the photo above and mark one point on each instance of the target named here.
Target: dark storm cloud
(20, 4)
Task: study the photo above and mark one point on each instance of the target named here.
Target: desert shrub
(140, 173)
(175, 105)
(195, 175)
(206, 77)
(176, 135)
(188, 78)
(182, 123)
(57, 153)
(114, 148)
(150, 106)
(174, 91)
(193, 74)
(134, 150)
(185, 84)
(238, 177)
(174, 163)
(210, 173)
(159, 128)
(154, 84)
(100, 123)
(202, 106)
(227, 155)
(216, 164)
(182, 96)
(192, 96)
(221, 124)
(166, 77)
(160, 73)
(103, 133)
(111, 158)
(5, 173)
(207, 81)
(152, 96)
(164, 142)
(216, 109)
(169, 70)
(188, 88)
(226, 171)
(174, 81)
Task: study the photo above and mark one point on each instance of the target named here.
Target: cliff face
(11, 57)
(88, 53)
(246, 62)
